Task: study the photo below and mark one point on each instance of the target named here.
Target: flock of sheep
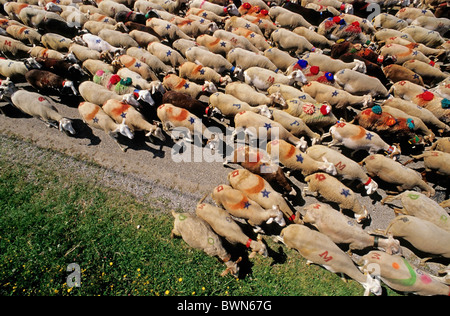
(322, 69)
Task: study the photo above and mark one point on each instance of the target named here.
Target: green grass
(49, 220)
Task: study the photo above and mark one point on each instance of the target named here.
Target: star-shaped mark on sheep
(205, 14)
(202, 71)
(123, 115)
(191, 120)
(369, 136)
(268, 126)
(265, 193)
(335, 93)
(167, 26)
(345, 192)
(247, 26)
(95, 120)
(169, 52)
(415, 53)
(186, 85)
(223, 44)
(247, 204)
(299, 158)
(137, 65)
(252, 35)
(416, 76)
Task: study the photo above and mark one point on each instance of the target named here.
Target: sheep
(36, 105)
(419, 125)
(15, 70)
(262, 78)
(409, 14)
(38, 51)
(143, 38)
(212, 60)
(199, 235)
(399, 53)
(184, 121)
(237, 40)
(24, 33)
(258, 162)
(260, 127)
(248, 94)
(110, 7)
(139, 82)
(120, 111)
(260, 191)
(199, 73)
(440, 25)
(346, 168)
(97, 94)
(155, 64)
(293, 124)
(434, 160)
(293, 159)
(394, 269)
(291, 42)
(229, 106)
(424, 98)
(255, 39)
(44, 80)
(262, 21)
(13, 47)
(83, 53)
(194, 27)
(442, 144)
(313, 37)
(239, 205)
(427, 51)
(417, 204)
(219, 10)
(424, 36)
(331, 189)
(360, 84)
(173, 82)
(166, 29)
(337, 98)
(358, 138)
(237, 21)
(315, 115)
(206, 14)
(342, 231)
(422, 234)
(384, 34)
(94, 116)
(136, 65)
(214, 44)
(397, 73)
(394, 172)
(431, 75)
(412, 109)
(166, 54)
(222, 223)
(328, 64)
(288, 19)
(100, 17)
(56, 42)
(289, 92)
(185, 101)
(245, 59)
(94, 65)
(117, 39)
(442, 89)
(388, 21)
(130, 16)
(97, 43)
(182, 45)
(318, 248)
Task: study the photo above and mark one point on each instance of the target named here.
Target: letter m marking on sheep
(8, 43)
(340, 166)
(325, 256)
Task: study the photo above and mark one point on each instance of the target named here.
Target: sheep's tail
(391, 198)
(203, 198)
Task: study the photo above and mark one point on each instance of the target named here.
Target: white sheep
(56, 42)
(166, 29)
(36, 105)
(199, 73)
(329, 64)
(237, 40)
(247, 93)
(262, 78)
(173, 82)
(358, 83)
(245, 59)
(289, 92)
(228, 106)
(151, 60)
(94, 116)
(346, 168)
(83, 53)
(13, 47)
(97, 94)
(166, 54)
(291, 42)
(24, 33)
(212, 60)
(117, 39)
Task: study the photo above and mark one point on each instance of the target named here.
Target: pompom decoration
(100, 73)
(329, 76)
(410, 123)
(246, 5)
(445, 103)
(336, 19)
(392, 121)
(325, 109)
(426, 96)
(114, 79)
(356, 23)
(314, 70)
(264, 12)
(377, 109)
(309, 108)
(126, 82)
(302, 63)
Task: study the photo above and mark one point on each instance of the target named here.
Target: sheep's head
(360, 66)
(258, 247)
(277, 98)
(7, 88)
(298, 76)
(370, 186)
(70, 57)
(328, 167)
(264, 110)
(238, 72)
(129, 99)
(145, 96)
(392, 246)
(157, 132)
(302, 144)
(125, 130)
(69, 84)
(31, 63)
(212, 27)
(225, 80)
(232, 266)
(279, 218)
(367, 101)
(209, 87)
(232, 10)
(360, 217)
(65, 125)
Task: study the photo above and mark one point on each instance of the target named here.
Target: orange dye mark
(91, 115)
(177, 117)
(361, 134)
(120, 108)
(395, 265)
(127, 61)
(180, 84)
(257, 188)
(291, 152)
(238, 206)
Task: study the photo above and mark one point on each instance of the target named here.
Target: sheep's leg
(122, 147)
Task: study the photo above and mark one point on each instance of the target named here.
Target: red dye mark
(325, 257)
(320, 177)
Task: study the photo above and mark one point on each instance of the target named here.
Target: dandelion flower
(167, 292)
(180, 279)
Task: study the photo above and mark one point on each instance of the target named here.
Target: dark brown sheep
(185, 101)
(43, 80)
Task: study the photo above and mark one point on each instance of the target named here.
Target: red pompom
(336, 19)
(247, 5)
(314, 70)
(426, 96)
(325, 109)
(264, 12)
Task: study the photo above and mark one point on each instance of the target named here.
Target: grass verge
(49, 220)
